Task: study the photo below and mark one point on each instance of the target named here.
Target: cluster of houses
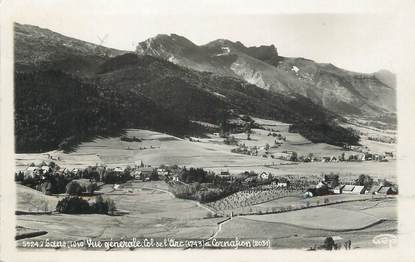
(374, 190)
(331, 185)
(139, 172)
(292, 156)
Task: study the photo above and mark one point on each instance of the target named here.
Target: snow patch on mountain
(173, 60)
(295, 69)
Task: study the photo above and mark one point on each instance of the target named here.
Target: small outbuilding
(338, 189)
(386, 190)
(119, 169)
(348, 189)
(145, 173)
(265, 175)
(374, 190)
(358, 190)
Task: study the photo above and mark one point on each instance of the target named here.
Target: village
(223, 185)
(241, 190)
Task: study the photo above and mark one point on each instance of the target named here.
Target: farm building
(31, 172)
(348, 189)
(358, 190)
(162, 172)
(374, 190)
(386, 190)
(119, 169)
(224, 173)
(145, 173)
(265, 176)
(45, 169)
(282, 184)
(338, 189)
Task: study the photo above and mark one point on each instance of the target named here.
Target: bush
(73, 188)
(91, 187)
(76, 187)
(100, 206)
(364, 180)
(328, 243)
(19, 176)
(73, 205)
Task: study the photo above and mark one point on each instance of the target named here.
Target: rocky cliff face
(341, 91)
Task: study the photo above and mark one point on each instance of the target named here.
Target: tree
(267, 147)
(224, 123)
(73, 205)
(364, 180)
(329, 243)
(248, 130)
(342, 157)
(386, 183)
(73, 188)
(294, 157)
(100, 206)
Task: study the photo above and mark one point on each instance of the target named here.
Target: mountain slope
(42, 47)
(338, 90)
(74, 93)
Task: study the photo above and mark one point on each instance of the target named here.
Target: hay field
(34, 201)
(325, 218)
(151, 213)
(285, 236)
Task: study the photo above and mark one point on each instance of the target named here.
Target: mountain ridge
(342, 91)
(118, 90)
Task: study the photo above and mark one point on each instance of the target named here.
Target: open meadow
(149, 212)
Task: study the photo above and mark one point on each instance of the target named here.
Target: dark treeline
(54, 109)
(326, 132)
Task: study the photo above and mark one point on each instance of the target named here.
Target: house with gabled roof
(358, 190)
(386, 190)
(348, 189)
(374, 190)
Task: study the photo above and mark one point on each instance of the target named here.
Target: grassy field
(34, 201)
(289, 236)
(325, 218)
(211, 153)
(151, 213)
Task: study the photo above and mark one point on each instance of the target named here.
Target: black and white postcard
(227, 131)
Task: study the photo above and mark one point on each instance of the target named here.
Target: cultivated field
(358, 221)
(289, 236)
(325, 218)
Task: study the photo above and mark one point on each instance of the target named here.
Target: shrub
(91, 187)
(73, 188)
(100, 206)
(19, 176)
(329, 243)
(73, 205)
(364, 180)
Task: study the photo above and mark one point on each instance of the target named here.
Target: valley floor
(151, 211)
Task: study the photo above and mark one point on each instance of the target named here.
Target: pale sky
(362, 40)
